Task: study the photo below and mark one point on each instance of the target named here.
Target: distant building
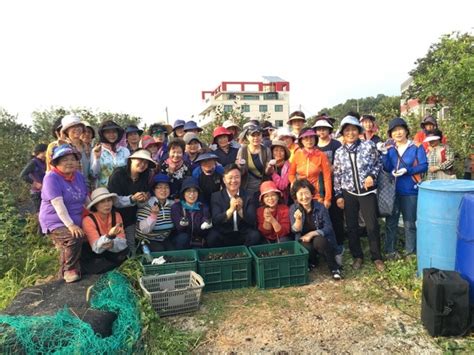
(416, 107)
(268, 98)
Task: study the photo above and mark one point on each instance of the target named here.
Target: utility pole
(166, 110)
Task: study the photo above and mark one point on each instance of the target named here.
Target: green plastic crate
(226, 274)
(170, 268)
(280, 271)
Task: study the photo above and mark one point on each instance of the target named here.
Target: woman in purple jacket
(33, 173)
(191, 218)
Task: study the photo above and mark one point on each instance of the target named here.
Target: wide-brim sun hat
(350, 120)
(100, 194)
(142, 154)
(221, 131)
(178, 124)
(278, 143)
(431, 138)
(229, 123)
(206, 156)
(191, 125)
(267, 187)
(285, 132)
(294, 118)
(110, 125)
(188, 183)
(322, 123)
(397, 122)
(69, 121)
(88, 125)
(191, 136)
(133, 129)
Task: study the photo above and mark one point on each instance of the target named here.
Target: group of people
(169, 189)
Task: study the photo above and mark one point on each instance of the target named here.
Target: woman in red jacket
(273, 219)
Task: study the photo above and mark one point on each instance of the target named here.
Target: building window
(279, 123)
(251, 97)
(245, 108)
(278, 108)
(263, 108)
(231, 96)
(270, 96)
(227, 108)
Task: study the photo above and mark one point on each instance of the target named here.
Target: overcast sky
(139, 57)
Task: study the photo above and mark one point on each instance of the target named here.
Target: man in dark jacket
(233, 214)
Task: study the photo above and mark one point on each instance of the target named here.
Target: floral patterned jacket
(102, 168)
(350, 174)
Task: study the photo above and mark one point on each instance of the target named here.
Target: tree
(43, 120)
(220, 116)
(383, 107)
(444, 76)
(17, 144)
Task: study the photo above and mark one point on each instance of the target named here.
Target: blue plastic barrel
(437, 216)
(465, 245)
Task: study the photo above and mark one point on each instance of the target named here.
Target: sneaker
(338, 258)
(336, 274)
(71, 276)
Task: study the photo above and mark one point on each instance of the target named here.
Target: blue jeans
(407, 206)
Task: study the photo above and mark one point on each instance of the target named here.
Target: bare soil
(325, 316)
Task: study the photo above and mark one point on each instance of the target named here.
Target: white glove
(206, 225)
(399, 172)
(158, 261)
(382, 148)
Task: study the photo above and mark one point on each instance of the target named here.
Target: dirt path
(320, 317)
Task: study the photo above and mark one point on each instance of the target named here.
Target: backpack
(445, 303)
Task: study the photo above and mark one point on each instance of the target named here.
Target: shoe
(336, 274)
(379, 265)
(338, 259)
(71, 276)
(357, 263)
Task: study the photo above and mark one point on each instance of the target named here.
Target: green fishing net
(64, 333)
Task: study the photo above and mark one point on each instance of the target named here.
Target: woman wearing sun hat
(63, 196)
(191, 218)
(296, 122)
(131, 184)
(106, 246)
(308, 163)
(154, 223)
(328, 146)
(280, 168)
(273, 220)
(107, 154)
(406, 162)
(253, 159)
(284, 134)
(440, 157)
(356, 168)
(223, 138)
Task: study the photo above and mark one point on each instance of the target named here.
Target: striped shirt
(152, 227)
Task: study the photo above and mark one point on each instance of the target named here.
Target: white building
(268, 98)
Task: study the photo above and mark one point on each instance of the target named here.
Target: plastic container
(465, 243)
(280, 270)
(225, 274)
(437, 215)
(173, 294)
(169, 268)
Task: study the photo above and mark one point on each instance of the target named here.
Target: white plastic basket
(172, 294)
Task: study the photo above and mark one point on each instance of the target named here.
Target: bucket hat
(110, 125)
(397, 122)
(63, 150)
(229, 123)
(100, 194)
(69, 121)
(350, 120)
(188, 183)
(267, 187)
(277, 143)
(191, 136)
(178, 124)
(133, 129)
(221, 131)
(142, 154)
(428, 119)
(191, 125)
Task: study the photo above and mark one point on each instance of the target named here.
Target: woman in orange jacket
(308, 163)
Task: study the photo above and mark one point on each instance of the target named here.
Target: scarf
(60, 173)
(194, 207)
(173, 165)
